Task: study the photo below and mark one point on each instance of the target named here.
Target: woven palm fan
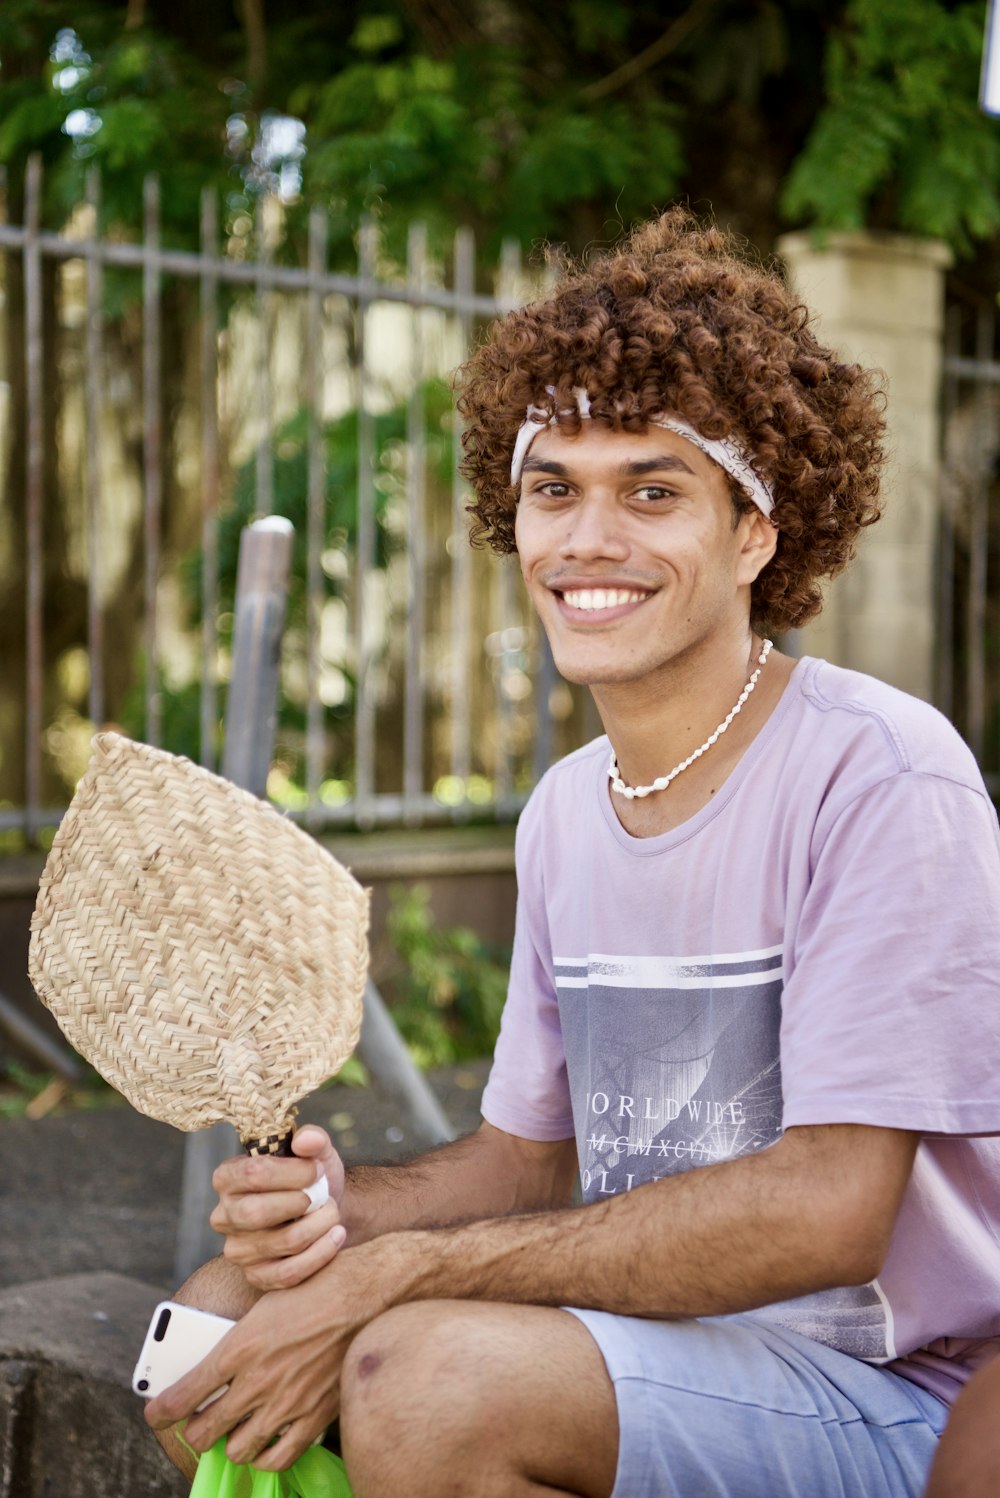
(204, 954)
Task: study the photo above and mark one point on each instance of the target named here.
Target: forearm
(721, 1239)
(487, 1174)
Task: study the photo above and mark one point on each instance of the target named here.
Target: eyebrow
(667, 462)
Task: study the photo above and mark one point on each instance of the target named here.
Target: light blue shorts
(731, 1408)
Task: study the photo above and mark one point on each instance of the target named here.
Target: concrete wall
(880, 302)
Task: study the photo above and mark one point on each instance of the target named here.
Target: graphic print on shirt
(673, 1063)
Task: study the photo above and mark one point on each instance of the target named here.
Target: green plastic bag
(316, 1474)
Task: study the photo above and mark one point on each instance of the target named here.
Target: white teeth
(601, 598)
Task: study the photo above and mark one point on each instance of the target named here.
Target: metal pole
(39, 1045)
(34, 494)
(152, 456)
(384, 1053)
(252, 709)
(251, 719)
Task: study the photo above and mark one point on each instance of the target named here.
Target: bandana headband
(726, 454)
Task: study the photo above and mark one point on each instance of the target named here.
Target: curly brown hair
(679, 318)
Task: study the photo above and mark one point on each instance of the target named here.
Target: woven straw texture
(206, 956)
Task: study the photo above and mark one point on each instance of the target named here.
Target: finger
(282, 1274)
(223, 1415)
(255, 1212)
(313, 1143)
(251, 1173)
(282, 1242)
(288, 1447)
(183, 1398)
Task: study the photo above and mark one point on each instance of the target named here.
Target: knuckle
(287, 1273)
(256, 1172)
(298, 1236)
(248, 1213)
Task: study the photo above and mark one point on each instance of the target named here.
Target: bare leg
(484, 1401)
(219, 1287)
(968, 1461)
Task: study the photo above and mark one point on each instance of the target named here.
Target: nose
(594, 530)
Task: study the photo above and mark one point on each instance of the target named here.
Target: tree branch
(654, 53)
(251, 13)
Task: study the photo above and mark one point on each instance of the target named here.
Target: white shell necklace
(630, 792)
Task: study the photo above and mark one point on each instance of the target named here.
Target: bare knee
(219, 1287)
(404, 1377)
(489, 1400)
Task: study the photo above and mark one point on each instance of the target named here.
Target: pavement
(88, 1223)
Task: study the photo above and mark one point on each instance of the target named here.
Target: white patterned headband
(726, 454)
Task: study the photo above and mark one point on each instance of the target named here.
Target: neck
(656, 723)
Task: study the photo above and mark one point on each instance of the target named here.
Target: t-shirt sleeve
(891, 1009)
(527, 1092)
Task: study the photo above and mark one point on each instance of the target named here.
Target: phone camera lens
(143, 1384)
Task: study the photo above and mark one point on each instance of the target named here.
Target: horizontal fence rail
(156, 399)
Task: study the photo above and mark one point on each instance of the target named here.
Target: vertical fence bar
(208, 706)
(6, 260)
(93, 385)
(416, 547)
(504, 624)
(364, 706)
(34, 494)
(545, 681)
(978, 522)
(945, 631)
(505, 594)
(264, 500)
(152, 446)
(461, 558)
(316, 497)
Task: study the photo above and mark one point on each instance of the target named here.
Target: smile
(594, 599)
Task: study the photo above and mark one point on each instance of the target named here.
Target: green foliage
(180, 703)
(900, 136)
(448, 997)
(27, 1092)
(340, 507)
(474, 138)
(84, 91)
(515, 122)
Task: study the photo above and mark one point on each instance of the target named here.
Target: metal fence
(397, 711)
(968, 611)
(195, 388)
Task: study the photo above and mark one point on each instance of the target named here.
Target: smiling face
(629, 552)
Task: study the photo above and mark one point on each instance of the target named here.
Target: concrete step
(70, 1425)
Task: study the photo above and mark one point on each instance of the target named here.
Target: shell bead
(630, 792)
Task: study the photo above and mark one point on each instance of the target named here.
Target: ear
(759, 541)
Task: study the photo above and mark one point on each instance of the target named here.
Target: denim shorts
(730, 1407)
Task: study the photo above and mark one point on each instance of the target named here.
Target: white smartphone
(177, 1340)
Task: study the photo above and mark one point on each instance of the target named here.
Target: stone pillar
(879, 301)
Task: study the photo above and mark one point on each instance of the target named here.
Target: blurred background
(243, 247)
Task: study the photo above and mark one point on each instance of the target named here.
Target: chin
(595, 674)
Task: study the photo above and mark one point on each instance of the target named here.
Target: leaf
(901, 118)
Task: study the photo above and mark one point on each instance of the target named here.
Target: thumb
(313, 1143)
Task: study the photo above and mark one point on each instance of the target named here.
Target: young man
(753, 999)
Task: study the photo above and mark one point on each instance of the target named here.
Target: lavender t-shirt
(820, 944)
